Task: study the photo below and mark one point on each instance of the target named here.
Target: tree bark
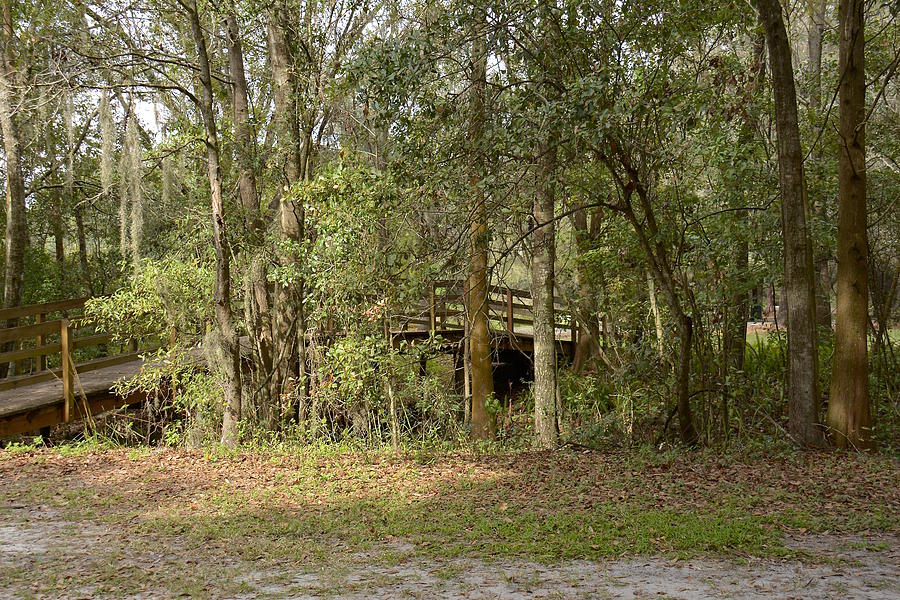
(657, 318)
(586, 305)
(16, 225)
(260, 321)
(814, 68)
(290, 322)
(800, 300)
(648, 234)
(78, 210)
(230, 366)
(543, 258)
(849, 419)
(481, 371)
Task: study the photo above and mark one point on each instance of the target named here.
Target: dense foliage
(347, 183)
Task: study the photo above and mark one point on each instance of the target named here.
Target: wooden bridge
(510, 318)
(60, 370)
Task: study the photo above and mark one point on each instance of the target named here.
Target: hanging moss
(133, 153)
(123, 207)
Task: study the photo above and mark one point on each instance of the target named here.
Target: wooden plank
(52, 414)
(37, 351)
(17, 312)
(432, 317)
(68, 370)
(90, 384)
(14, 383)
(106, 361)
(510, 313)
(41, 340)
(515, 292)
(504, 306)
(13, 334)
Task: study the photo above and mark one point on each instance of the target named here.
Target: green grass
(294, 511)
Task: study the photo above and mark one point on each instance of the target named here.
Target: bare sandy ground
(44, 556)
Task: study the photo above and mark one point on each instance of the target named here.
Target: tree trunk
(657, 318)
(58, 236)
(814, 67)
(586, 306)
(260, 322)
(82, 250)
(481, 371)
(648, 234)
(800, 300)
(290, 324)
(849, 419)
(16, 227)
(230, 366)
(543, 257)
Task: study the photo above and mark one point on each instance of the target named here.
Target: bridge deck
(38, 405)
(36, 395)
(34, 401)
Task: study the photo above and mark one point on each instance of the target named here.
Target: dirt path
(168, 524)
(43, 555)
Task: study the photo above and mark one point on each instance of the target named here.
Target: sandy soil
(44, 556)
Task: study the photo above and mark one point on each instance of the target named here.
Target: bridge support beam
(68, 375)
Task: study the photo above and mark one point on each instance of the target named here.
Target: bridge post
(41, 341)
(68, 379)
(432, 316)
(510, 322)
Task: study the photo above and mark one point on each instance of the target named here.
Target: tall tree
(799, 285)
(289, 327)
(849, 419)
(815, 40)
(260, 314)
(543, 253)
(482, 377)
(11, 90)
(735, 333)
(543, 260)
(230, 363)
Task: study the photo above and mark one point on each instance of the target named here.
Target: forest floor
(147, 523)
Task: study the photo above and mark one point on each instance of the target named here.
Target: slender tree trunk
(16, 227)
(249, 197)
(481, 371)
(657, 318)
(800, 299)
(290, 323)
(58, 235)
(230, 366)
(814, 67)
(648, 234)
(849, 419)
(82, 250)
(586, 305)
(543, 260)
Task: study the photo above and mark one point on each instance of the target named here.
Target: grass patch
(318, 510)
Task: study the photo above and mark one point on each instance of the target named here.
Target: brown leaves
(836, 486)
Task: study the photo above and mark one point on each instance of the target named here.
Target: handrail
(14, 334)
(30, 310)
(12, 338)
(507, 306)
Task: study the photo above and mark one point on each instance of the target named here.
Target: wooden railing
(31, 349)
(510, 311)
